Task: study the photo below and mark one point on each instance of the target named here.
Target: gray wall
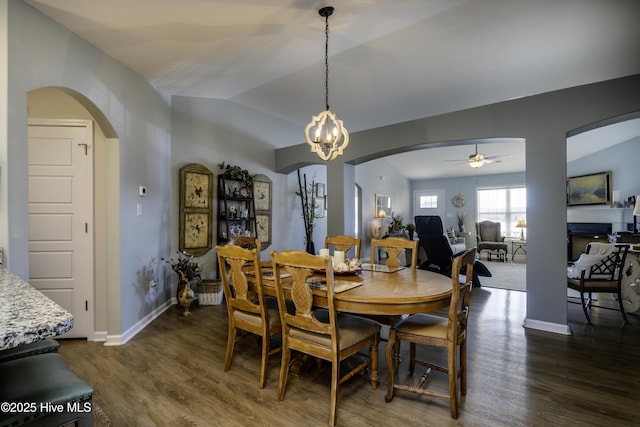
(40, 54)
(379, 177)
(209, 132)
(621, 160)
(543, 121)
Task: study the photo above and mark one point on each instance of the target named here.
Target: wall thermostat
(142, 191)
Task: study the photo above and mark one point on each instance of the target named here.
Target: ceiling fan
(478, 160)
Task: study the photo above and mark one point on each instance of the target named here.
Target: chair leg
(412, 357)
(584, 307)
(335, 380)
(284, 371)
(391, 364)
(620, 303)
(463, 367)
(266, 345)
(452, 369)
(231, 340)
(373, 355)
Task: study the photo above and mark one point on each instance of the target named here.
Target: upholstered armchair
(490, 239)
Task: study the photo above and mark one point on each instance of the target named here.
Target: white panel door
(60, 219)
(431, 195)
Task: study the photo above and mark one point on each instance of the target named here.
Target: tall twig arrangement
(308, 209)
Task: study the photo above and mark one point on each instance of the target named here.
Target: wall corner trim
(113, 340)
(540, 325)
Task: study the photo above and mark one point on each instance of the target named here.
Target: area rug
(505, 275)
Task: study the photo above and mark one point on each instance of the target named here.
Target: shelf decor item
(189, 270)
(196, 192)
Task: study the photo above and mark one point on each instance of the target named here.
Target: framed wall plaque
(196, 192)
(262, 204)
(263, 225)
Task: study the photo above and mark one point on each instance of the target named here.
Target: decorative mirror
(383, 206)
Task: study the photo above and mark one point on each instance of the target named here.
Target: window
(504, 205)
(428, 202)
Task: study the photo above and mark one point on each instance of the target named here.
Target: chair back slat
(345, 244)
(301, 266)
(393, 247)
(460, 295)
(610, 267)
(235, 264)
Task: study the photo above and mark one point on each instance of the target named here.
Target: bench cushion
(39, 378)
(37, 347)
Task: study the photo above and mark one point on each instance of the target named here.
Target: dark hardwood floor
(171, 374)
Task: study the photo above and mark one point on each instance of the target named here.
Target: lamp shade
(521, 224)
(636, 210)
(382, 213)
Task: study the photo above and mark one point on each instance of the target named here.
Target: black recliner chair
(434, 244)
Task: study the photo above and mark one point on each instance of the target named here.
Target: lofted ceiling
(389, 62)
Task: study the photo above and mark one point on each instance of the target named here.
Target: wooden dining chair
(393, 247)
(321, 333)
(246, 242)
(605, 277)
(247, 311)
(344, 243)
(449, 333)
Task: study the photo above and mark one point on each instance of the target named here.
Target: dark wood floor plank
(171, 374)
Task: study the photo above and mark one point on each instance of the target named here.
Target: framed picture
(197, 186)
(196, 230)
(592, 189)
(318, 204)
(319, 190)
(196, 192)
(262, 193)
(263, 226)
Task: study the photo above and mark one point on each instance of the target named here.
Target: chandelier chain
(326, 61)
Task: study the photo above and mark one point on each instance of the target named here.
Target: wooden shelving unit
(236, 210)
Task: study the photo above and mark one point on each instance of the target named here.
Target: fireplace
(579, 234)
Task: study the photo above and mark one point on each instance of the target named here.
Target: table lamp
(521, 225)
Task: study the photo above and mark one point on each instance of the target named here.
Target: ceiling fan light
(476, 163)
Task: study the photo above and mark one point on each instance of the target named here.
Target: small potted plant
(411, 228)
(237, 173)
(397, 223)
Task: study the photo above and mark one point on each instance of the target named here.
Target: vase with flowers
(462, 218)
(188, 269)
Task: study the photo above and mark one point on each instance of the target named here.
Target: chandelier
(325, 133)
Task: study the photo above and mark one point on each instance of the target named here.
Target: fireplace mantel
(617, 217)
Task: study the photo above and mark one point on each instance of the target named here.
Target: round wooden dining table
(404, 291)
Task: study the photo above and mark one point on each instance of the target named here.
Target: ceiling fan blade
(498, 156)
(489, 160)
(458, 162)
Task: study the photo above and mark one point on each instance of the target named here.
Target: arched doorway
(63, 104)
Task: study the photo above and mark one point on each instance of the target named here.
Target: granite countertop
(26, 314)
